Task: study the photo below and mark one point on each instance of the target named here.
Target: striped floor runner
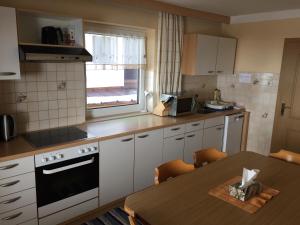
(116, 216)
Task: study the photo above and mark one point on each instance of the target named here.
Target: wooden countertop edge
(182, 120)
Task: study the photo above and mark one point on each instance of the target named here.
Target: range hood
(53, 53)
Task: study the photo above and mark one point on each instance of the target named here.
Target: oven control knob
(51, 158)
(45, 159)
(81, 151)
(86, 150)
(59, 156)
(89, 149)
(95, 148)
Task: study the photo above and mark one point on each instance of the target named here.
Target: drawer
(30, 222)
(19, 215)
(174, 130)
(193, 126)
(212, 122)
(17, 183)
(17, 200)
(16, 167)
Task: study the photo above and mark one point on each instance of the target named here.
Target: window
(115, 76)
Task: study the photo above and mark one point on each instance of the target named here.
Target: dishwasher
(233, 133)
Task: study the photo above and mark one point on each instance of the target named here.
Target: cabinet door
(226, 55)
(9, 53)
(148, 155)
(207, 49)
(213, 137)
(116, 168)
(173, 148)
(193, 142)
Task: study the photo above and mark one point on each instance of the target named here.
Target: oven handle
(57, 170)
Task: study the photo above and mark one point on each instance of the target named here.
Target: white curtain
(111, 52)
(170, 42)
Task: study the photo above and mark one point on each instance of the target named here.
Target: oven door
(62, 180)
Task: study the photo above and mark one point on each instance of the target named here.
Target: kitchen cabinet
(9, 51)
(193, 143)
(213, 137)
(148, 155)
(116, 168)
(208, 55)
(173, 148)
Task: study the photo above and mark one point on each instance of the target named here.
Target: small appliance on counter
(177, 105)
(217, 104)
(52, 35)
(7, 127)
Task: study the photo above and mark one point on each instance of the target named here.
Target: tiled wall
(258, 93)
(48, 95)
(204, 86)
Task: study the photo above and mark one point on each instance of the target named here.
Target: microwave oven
(179, 105)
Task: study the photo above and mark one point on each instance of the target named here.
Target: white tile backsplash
(258, 93)
(44, 106)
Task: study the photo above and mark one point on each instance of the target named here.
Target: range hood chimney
(53, 53)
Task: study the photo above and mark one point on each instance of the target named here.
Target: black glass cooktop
(55, 136)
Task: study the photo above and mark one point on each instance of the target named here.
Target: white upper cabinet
(226, 55)
(208, 55)
(9, 52)
(207, 51)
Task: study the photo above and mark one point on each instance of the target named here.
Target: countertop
(104, 130)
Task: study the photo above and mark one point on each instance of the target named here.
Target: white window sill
(114, 117)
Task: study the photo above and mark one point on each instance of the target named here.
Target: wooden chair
(171, 169)
(287, 156)
(205, 156)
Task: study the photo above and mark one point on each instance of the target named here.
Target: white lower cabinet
(148, 155)
(213, 137)
(173, 148)
(193, 143)
(116, 168)
(19, 215)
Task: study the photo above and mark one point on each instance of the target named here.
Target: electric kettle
(7, 127)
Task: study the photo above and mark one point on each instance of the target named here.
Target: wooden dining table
(185, 200)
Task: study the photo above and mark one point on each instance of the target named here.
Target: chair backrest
(287, 156)
(205, 156)
(171, 169)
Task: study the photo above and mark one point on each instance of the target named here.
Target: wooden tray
(251, 205)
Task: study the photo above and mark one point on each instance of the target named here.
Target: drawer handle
(178, 139)
(143, 136)
(7, 73)
(219, 71)
(11, 200)
(9, 166)
(190, 136)
(211, 71)
(220, 128)
(9, 184)
(127, 140)
(174, 129)
(13, 216)
(195, 124)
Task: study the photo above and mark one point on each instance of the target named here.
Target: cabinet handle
(174, 129)
(190, 136)
(9, 166)
(127, 140)
(220, 128)
(13, 216)
(11, 200)
(143, 136)
(178, 139)
(219, 71)
(7, 73)
(211, 71)
(9, 184)
(195, 124)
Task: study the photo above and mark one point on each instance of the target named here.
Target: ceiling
(237, 7)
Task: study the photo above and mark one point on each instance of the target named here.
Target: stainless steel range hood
(52, 53)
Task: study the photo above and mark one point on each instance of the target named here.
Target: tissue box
(244, 194)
